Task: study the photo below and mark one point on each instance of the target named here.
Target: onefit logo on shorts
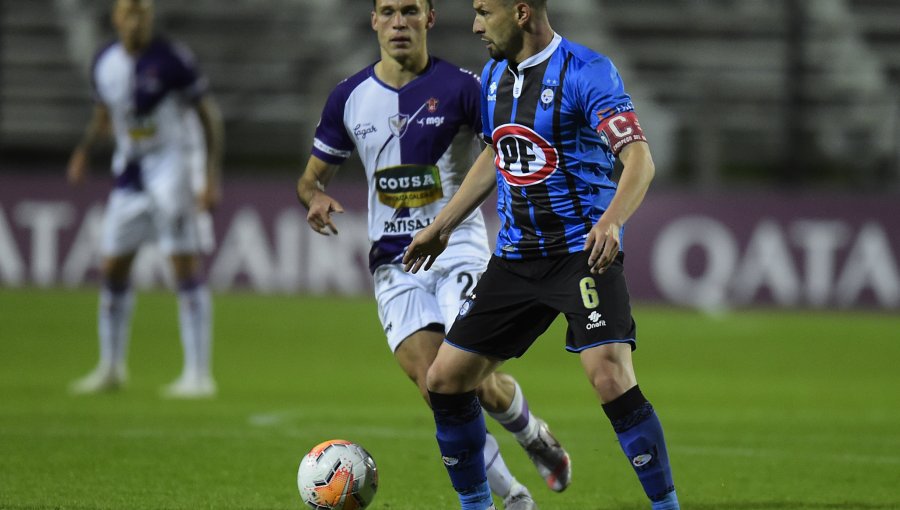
(596, 321)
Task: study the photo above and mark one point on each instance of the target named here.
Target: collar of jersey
(426, 72)
(542, 55)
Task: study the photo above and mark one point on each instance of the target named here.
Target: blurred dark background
(732, 92)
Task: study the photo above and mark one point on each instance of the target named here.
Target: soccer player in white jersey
(147, 89)
(414, 119)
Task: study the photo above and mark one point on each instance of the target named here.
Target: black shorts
(516, 301)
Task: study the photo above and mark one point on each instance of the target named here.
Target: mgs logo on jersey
(408, 185)
(523, 157)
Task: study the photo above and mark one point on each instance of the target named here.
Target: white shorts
(165, 211)
(409, 302)
(133, 218)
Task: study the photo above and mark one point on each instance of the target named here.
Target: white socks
(517, 418)
(195, 321)
(114, 325)
(498, 476)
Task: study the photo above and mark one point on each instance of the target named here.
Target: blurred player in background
(414, 120)
(556, 116)
(152, 98)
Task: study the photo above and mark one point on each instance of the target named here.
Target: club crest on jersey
(398, 124)
(547, 96)
(523, 157)
(432, 104)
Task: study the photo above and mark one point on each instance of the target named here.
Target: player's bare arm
(311, 193)
(97, 128)
(214, 132)
(603, 239)
(475, 188)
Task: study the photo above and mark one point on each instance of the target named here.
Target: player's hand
(319, 217)
(424, 249)
(603, 244)
(78, 166)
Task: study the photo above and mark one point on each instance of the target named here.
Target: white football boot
(105, 378)
(190, 386)
(519, 499)
(550, 459)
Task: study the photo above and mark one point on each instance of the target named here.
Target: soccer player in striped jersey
(556, 116)
(415, 120)
(153, 98)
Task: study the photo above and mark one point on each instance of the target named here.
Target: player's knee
(116, 271)
(602, 381)
(440, 380)
(612, 381)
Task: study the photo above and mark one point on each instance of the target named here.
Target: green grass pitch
(762, 409)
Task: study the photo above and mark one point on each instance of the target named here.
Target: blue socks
(461, 436)
(477, 498)
(670, 502)
(641, 437)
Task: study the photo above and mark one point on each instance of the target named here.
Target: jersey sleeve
(186, 75)
(96, 93)
(332, 144)
(607, 107)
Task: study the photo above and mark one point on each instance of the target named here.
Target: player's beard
(495, 52)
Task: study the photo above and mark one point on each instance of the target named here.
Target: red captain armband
(620, 130)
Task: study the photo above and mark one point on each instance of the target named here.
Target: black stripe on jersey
(504, 89)
(546, 221)
(528, 242)
(558, 142)
(503, 106)
(503, 115)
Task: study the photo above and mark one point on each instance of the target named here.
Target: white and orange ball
(337, 475)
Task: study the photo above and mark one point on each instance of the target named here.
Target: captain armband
(621, 129)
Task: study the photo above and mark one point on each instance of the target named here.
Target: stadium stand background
(802, 92)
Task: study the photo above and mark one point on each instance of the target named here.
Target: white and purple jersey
(416, 144)
(148, 96)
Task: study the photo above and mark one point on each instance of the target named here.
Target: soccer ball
(337, 475)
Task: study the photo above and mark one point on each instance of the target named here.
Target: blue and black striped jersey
(554, 167)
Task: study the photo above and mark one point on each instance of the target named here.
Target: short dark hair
(535, 4)
(429, 2)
